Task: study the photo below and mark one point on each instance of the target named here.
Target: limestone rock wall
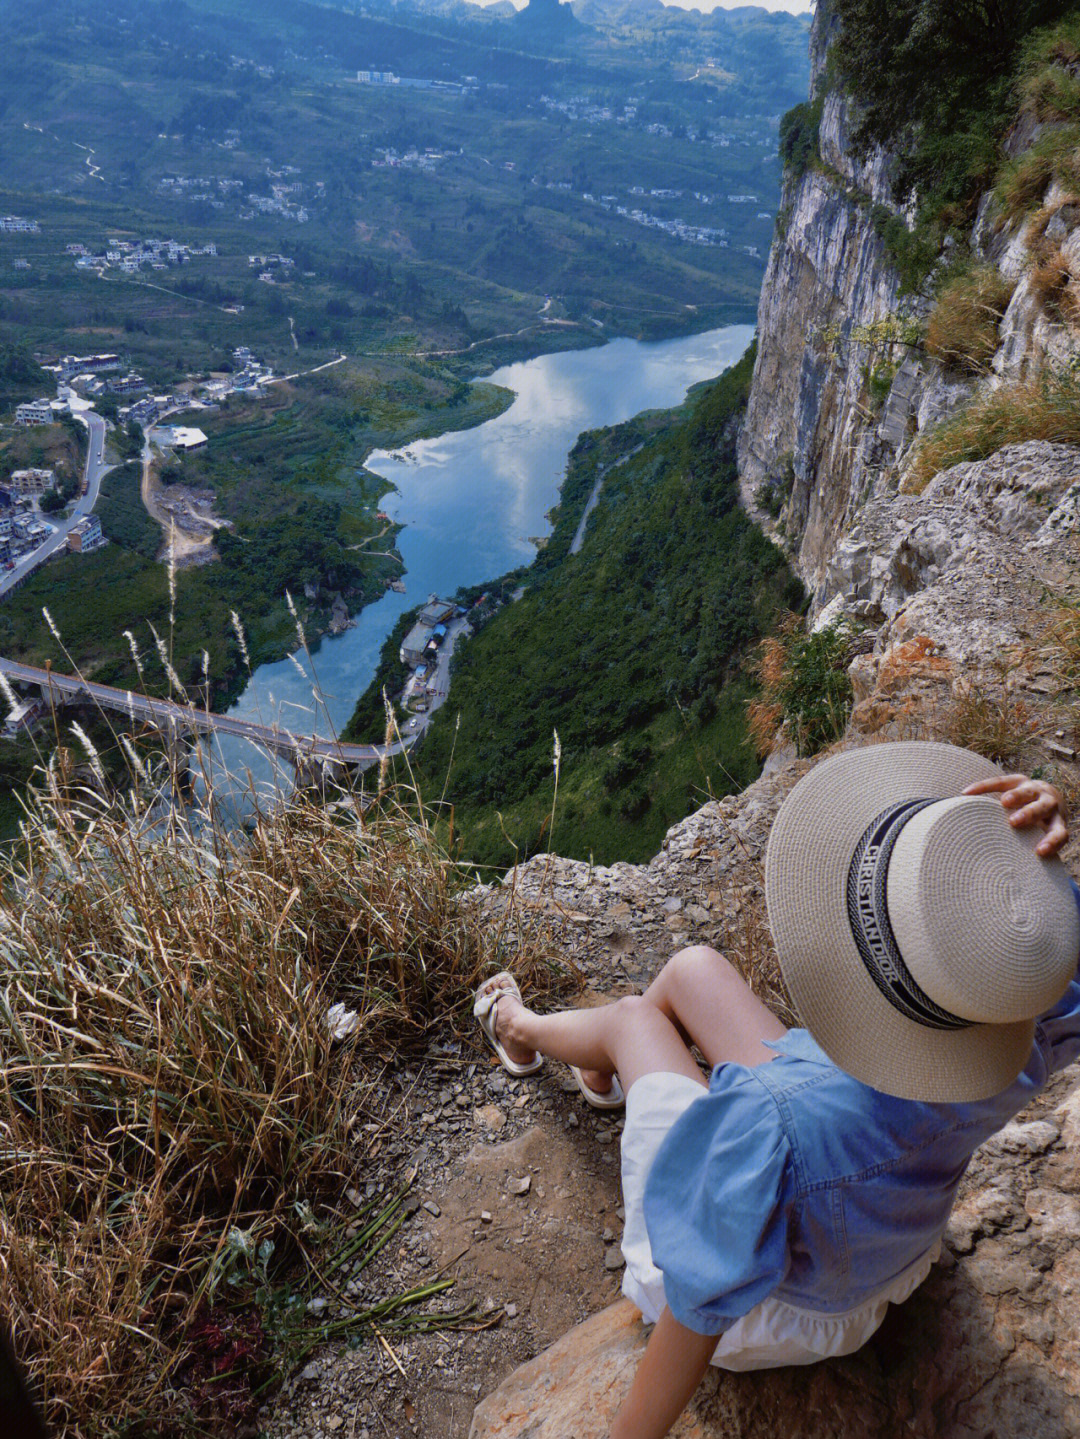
(840, 392)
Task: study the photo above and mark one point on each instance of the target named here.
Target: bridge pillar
(308, 771)
(176, 739)
(319, 773)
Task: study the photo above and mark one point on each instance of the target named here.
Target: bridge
(180, 721)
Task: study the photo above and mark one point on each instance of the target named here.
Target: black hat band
(871, 928)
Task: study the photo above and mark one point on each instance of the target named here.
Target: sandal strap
(486, 1002)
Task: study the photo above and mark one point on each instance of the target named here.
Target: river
(473, 502)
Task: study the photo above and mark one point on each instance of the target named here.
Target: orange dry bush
(1050, 278)
(765, 714)
(763, 721)
(805, 688)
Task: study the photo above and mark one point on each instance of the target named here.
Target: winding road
(96, 470)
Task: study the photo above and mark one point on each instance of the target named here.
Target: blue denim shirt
(797, 1180)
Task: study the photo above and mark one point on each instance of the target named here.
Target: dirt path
(181, 546)
(300, 374)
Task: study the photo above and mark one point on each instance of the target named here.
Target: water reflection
(472, 500)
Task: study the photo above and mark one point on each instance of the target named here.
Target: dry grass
(168, 1078)
(1045, 408)
(962, 331)
(987, 717)
(1049, 279)
(1022, 183)
(1064, 632)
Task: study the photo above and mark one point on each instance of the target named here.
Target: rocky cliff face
(840, 395)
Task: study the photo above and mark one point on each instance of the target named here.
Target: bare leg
(697, 998)
(710, 1003)
(630, 1036)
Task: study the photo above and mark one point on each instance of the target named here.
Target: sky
(794, 7)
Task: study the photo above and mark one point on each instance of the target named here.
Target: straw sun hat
(919, 933)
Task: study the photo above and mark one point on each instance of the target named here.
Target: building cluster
(22, 529)
(240, 62)
(414, 159)
(16, 225)
(420, 650)
(144, 411)
(285, 197)
(584, 109)
(130, 256)
(680, 229)
(94, 375)
(280, 201)
(249, 378)
(581, 107)
(210, 189)
(270, 262)
(464, 86)
(69, 367)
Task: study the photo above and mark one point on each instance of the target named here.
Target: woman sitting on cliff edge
(929, 937)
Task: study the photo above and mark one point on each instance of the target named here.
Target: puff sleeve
(718, 1201)
(1058, 1030)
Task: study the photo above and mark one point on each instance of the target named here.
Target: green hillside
(631, 650)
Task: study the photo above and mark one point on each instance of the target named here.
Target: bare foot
(507, 1009)
(598, 1080)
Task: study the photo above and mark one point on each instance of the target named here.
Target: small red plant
(227, 1359)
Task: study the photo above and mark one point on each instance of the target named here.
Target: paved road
(579, 533)
(96, 470)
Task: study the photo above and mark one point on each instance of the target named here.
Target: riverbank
(303, 514)
(469, 501)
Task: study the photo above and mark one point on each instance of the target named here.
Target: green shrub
(1049, 84)
(800, 131)
(805, 688)
(936, 82)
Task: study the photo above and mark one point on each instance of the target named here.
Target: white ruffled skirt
(774, 1333)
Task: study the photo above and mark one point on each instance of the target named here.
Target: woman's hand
(1030, 801)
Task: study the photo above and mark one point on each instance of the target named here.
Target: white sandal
(484, 1010)
(614, 1098)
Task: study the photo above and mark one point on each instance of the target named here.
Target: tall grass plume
(167, 1074)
